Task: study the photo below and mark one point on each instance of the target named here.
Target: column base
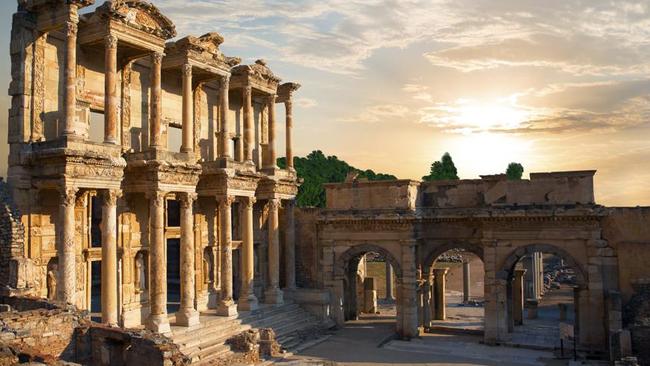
(227, 308)
(159, 324)
(187, 317)
(248, 303)
(273, 296)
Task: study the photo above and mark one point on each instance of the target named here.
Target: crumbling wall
(17, 273)
(39, 329)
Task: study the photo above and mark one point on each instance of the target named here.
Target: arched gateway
(500, 221)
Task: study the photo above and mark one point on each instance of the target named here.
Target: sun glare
(471, 116)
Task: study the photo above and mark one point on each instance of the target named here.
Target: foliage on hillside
(317, 169)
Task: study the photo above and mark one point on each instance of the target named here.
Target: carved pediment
(204, 48)
(258, 69)
(139, 15)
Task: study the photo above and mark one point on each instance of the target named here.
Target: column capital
(71, 28)
(187, 199)
(111, 196)
(111, 41)
(271, 98)
(226, 201)
(248, 202)
(225, 81)
(156, 57)
(68, 196)
(186, 69)
(157, 198)
(274, 203)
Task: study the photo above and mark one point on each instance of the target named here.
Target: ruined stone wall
(307, 273)
(12, 241)
(40, 329)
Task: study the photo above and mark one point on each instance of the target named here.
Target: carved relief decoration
(140, 15)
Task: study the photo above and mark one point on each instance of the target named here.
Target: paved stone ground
(368, 342)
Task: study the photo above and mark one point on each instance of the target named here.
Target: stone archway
(441, 249)
(506, 272)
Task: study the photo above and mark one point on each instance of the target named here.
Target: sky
(392, 85)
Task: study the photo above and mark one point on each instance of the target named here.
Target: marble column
(188, 110)
(227, 306)
(109, 257)
(249, 138)
(110, 89)
(158, 321)
(224, 108)
(247, 299)
(466, 281)
(273, 294)
(518, 296)
(67, 265)
(440, 278)
(155, 130)
(290, 245)
(389, 282)
(288, 107)
(272, 157)
(70, 74)
(187, 314)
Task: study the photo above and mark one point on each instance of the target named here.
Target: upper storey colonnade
(151, 87)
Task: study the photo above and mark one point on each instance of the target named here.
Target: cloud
(379, 113)
(306, 103)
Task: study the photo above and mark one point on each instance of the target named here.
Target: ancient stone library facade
(97, 102)
(103, 211)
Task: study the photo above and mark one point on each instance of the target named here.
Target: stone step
(212, 334)
(278, 318)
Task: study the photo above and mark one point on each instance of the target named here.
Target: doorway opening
(173, 275)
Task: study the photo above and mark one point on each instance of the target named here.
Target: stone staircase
(206, 342)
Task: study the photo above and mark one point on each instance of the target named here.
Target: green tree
(515, 171)
(442, 169)
(316, 169)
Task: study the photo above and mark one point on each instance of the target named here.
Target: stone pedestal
(518, 296)
(466, 281)
(187, 314)
(247, 299)
(273, 294)
(369, 296)
(439, 282)
(531, 307)
(109, 258)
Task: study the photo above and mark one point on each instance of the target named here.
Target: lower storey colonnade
(256, 227)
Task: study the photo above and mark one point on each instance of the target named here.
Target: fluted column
(288, 106)
(187, 314)
(109, 257)
(273, 294)
(158, 321)
(224, 136)
(247, 299)
(518, 297)
(272, 156)
(70, 72)
(188, 110)
(67, 249)
(227, 306)
(156, 100)
(110, 89)
(249, 139)
(440, 279)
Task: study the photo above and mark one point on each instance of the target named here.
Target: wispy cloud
(379, 113)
